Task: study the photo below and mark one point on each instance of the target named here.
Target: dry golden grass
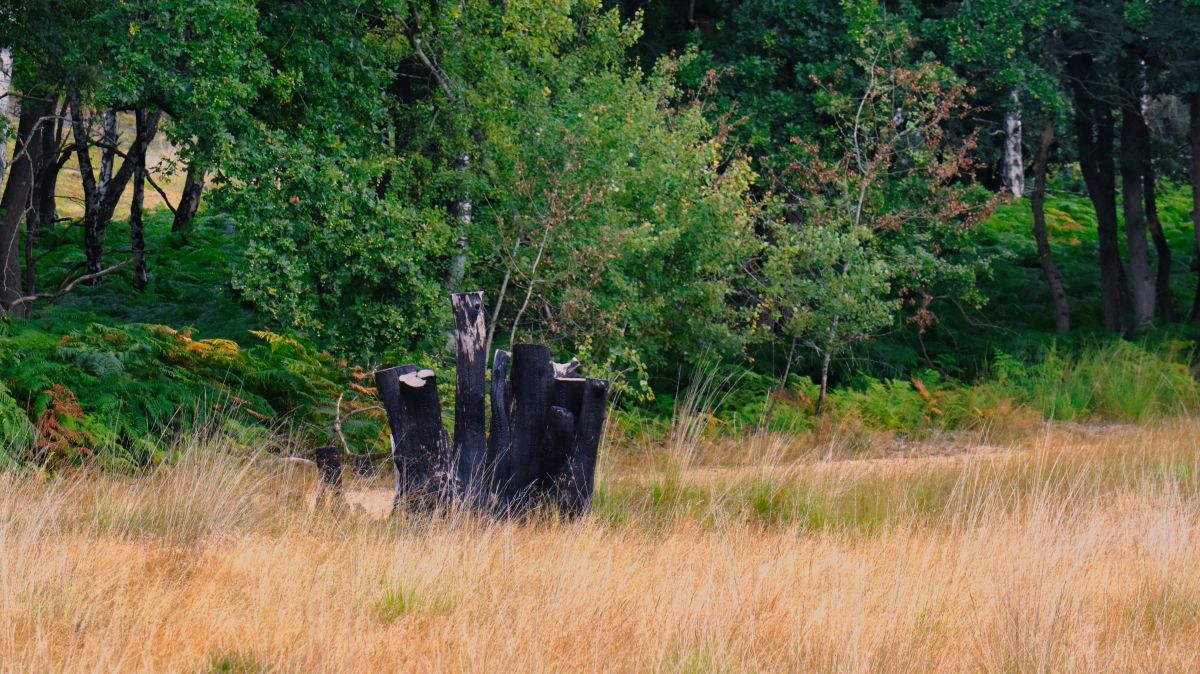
(1074, 551)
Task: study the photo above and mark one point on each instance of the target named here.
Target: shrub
(71, 392)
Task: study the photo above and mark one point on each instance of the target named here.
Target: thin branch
(66, 287)
(337, 424)
(160, 191)
(434, 69)
(337, 420)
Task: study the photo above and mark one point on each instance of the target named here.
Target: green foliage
(324, 253)
(598, 206)
(874, 219)
(1102, 382)
(1120, 381)
(189, 278)
(89, 391)
(635, 215)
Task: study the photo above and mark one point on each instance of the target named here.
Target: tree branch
(66, 287)
(161, 193)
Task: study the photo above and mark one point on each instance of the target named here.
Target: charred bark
(500, 439)
(545, 427)
(329, 479)
(532, 382)
(589, 428)
(470, 410)
(422, 446)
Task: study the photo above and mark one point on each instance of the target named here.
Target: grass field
(1071, 550)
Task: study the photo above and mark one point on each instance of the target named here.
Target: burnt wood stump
(329, 479)
(545, 426)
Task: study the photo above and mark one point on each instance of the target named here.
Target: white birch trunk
(6, 107)
(458, 265)
(1014, 163)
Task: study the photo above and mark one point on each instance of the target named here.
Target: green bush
(71, 392)
(1121, 381)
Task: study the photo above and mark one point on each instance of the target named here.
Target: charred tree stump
(532, 381)
(546, 422)
(500, 440)
(420, 442)
(470, 408)
(588, 431)
(329, 479)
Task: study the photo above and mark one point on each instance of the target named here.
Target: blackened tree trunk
(329, 479)
(1134, 149)
(189, 201)
(500, 438)
(387, 383)
(1194, 176)
(422, 445)
(1094, 131)
(532, 382)
(470, 406)
(588, 431)
(566, 401)
(1164, 298)
(1037, 201)
(14, 204)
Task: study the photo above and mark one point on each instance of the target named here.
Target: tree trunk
(826, 359)
(137, 230)
(14, 204)
(546, 426)
(1094, 130)
(1164, 299)
(422, 444)
(1014, 163)
(108, 150)
(1037, 201)
(6, 106)
(44, 165)
(1194, 176)
(329, 479)
(470, 405)
(45, 184)
(189, 201)
(463, 208)
(101, 196)
(1134, 147)
(589, 426)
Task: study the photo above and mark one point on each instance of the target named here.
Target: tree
(606, 211)
(1037, 202)
(875, 216)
